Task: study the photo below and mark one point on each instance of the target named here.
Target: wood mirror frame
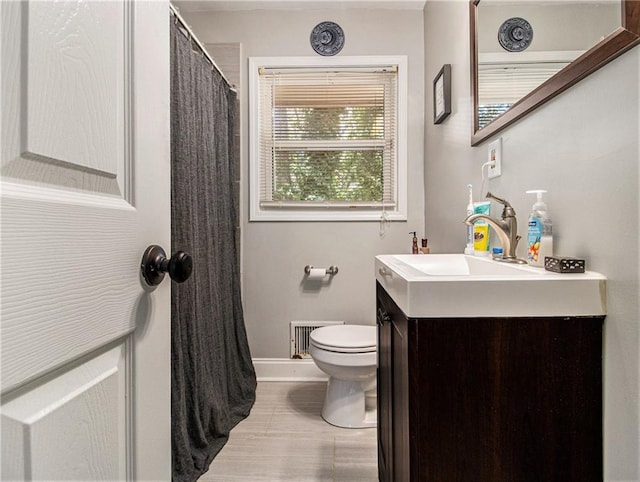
(616, 43)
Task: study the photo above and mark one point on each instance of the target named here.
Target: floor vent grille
(299, 336)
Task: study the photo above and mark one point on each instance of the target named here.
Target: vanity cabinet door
(385, 396)
(508, 399)
(393, 392)
(402, 470)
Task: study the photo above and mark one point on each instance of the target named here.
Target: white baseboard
(287, 370)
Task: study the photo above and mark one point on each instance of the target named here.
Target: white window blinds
(327, 138)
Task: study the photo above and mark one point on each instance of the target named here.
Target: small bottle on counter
(414, 247)
(424, 249)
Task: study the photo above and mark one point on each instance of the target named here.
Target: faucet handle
(508, 211)
(500, 200)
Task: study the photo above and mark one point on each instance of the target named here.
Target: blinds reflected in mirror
(505, 78)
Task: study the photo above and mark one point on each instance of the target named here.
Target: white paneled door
(85, 188)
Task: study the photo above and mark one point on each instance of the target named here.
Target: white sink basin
(457, 285)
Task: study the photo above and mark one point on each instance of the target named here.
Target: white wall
(274, 254)
(583, 148)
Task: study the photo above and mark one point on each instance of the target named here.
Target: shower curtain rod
(192, 36)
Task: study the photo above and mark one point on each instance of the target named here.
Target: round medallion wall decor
(327, 38)
(515, 34)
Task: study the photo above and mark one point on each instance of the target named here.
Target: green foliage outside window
(344, 164)
(328, 175)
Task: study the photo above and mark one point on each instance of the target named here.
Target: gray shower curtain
(213, 379)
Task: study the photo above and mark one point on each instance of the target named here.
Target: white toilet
(347, 353)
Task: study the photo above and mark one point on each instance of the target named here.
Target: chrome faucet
(506, 229)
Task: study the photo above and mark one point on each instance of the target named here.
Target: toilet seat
(345, 338)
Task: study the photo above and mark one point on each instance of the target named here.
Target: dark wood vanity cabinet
(488, 399)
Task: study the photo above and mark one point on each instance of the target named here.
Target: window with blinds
(325, 141)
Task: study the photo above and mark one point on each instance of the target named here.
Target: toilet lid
(345, 338)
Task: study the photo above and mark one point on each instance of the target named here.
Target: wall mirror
(525, 52)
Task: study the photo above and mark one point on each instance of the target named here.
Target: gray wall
(556, 26)
(274, 254)
(583, 148)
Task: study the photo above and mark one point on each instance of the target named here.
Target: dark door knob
(155, 264)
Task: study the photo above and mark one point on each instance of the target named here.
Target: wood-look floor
(285, 438)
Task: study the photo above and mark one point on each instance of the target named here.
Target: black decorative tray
(564, 265)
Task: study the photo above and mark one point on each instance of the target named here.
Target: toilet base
(348, 405)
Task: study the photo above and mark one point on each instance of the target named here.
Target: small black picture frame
(442, 94)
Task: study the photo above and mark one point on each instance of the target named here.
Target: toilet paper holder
(331, 270)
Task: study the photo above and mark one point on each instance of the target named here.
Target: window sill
(328, 215)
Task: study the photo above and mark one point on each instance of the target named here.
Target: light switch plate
(495, 156)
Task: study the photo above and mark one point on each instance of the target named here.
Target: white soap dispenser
(539, 233)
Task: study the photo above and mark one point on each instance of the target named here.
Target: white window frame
(258, 213)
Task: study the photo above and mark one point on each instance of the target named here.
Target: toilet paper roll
(317, 273)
